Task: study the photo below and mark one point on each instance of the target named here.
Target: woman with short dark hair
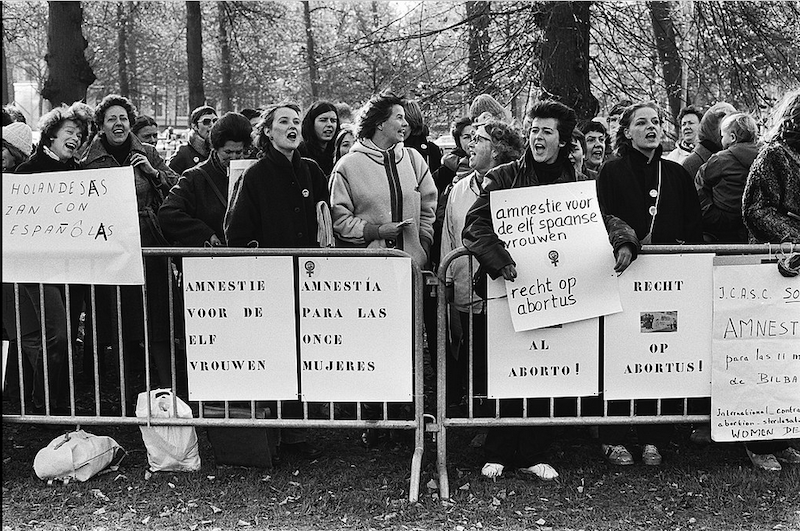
(192, 214)
(146, 129)
(319, 129)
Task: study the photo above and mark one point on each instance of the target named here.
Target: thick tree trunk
(565, 56)
(6, 81)
(226, 91)
(664, 33)
(122, 50)
(69, 73)
(478, 63)
(194, 54)
(311, 56)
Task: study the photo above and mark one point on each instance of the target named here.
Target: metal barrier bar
(79, 416)
(442, 421)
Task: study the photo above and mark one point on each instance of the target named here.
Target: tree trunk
(226, 92)
(6, 80)
(69, 73)
(122, 50)
(194, 54)
(478, 63)
(311, 56)
(664, 33)
(565, 56)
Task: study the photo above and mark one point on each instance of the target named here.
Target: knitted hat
(19, 135)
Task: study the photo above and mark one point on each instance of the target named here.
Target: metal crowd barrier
(115, 411)
(470, 420)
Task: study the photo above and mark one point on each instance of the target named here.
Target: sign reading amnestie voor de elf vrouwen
(78, 227)
(565, 263)
(755, 384)
(326, 328)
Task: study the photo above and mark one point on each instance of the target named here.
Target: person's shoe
(303, 449)
(542, 471)
(492, 470)
(701, 436)
(616, 454)
(764, 461)
(650, 455)
(788, 455)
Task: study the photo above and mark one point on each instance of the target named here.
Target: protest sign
(564, 261)
(356, 329)
(237, 169)
(241, 340)
(79, 227)
(660, 345)
(755, 386)
(558, 361)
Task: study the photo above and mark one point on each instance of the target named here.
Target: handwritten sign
(660, 345)
(356, 329)
(77, 227)
(240, 328)
(565, 263)
(559, 361)
(755, 389)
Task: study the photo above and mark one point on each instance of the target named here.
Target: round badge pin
(653, 193)
(196, 159)
(652, 210)
(306, 193)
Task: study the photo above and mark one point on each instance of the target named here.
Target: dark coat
(186, 157)
(623, 189)
(429, 151)
(323, 157)
(479, 236)
(41, 162)
(192, 212)
(275, 205)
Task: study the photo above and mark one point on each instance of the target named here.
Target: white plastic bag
(172, 448)
(77, 455)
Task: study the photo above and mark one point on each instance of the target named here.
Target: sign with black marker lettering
(660, 345)
(564, 261)
(562, 360)
(755, 390)
(78, 227)
(356, 329)
(240, 328)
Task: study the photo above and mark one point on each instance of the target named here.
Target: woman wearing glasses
(193, 212)
(197, 150)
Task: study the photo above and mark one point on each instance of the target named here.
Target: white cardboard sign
(755, 389)
(78, 227)
(660, 345)
(565, 263)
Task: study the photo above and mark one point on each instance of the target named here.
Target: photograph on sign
(660, 345)
(356, 329)
(76, 227)
(558, 361)
(755, 389)
(241, 341)
(564, 261)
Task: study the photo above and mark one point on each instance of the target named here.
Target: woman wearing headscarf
(17, 145)
(320, 128)
(146, 129)
(116, 146)
(657, 198)
(192, 214)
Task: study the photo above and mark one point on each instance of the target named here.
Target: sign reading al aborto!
(565, 263)
(660, 345)
(348, 338)
(356, 329)
(755, 389)
(79, 227)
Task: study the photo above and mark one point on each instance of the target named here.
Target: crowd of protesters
(383, 183)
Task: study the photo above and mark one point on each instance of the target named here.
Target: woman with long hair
(319, 129)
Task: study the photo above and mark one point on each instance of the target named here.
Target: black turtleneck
(120, 152)
(548, 173)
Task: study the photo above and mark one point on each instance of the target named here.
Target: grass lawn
(351, 487)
